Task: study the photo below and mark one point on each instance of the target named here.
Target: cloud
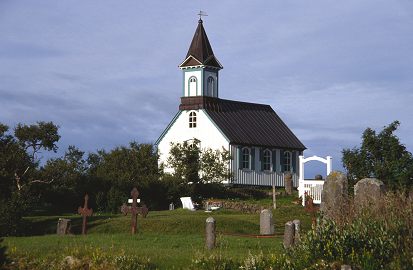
(107, 72)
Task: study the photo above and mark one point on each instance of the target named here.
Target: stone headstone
(289, 234)
(266, 222)
(64, 226)
(288, 183)
(210, 233)
(334, 197)
(368, 192)
(171, 206)
(318, 177)
(297, 229)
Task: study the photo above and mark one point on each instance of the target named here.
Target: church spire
(200, 51)
(200, 67)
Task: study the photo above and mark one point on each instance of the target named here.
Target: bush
(377, 237)
(3, 258)
(11, 214)
(115, 199)
(373, 239)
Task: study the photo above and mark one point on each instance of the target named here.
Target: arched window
(210, 87)
(245, 158)
(192, 86)
(267, 160)
(192, 120)
(287, 161)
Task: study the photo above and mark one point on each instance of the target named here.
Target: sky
(107, 72)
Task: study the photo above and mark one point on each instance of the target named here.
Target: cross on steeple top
(200, 14)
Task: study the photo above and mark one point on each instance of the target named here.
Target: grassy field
(167, 239)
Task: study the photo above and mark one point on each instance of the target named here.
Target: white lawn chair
(187, 203)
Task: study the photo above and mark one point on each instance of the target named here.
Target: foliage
(184, 158)
(369, 239)
(126, 166)
(113, 174)
(69, 175)
(19, 173)
(195, 165)
(214, 165)
(43, 135)
(382, 156)
(3, 257)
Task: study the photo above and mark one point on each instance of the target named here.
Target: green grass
(170, 239)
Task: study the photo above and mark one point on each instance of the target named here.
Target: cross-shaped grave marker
(85, 212)
(310, 208)
(134, 210)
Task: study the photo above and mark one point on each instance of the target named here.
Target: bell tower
(200, 67)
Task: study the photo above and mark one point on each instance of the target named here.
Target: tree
(19, 163)
(214, 165)
(194, 165)
(184, 158)
(382, 156)
(121, 169)
(70, 181)
(32, 139)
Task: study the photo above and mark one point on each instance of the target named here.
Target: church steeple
(200, 66)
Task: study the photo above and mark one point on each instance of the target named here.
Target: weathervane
(202, 13)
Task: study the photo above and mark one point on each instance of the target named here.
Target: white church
(262, 146)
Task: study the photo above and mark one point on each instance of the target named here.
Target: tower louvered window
(210, 87)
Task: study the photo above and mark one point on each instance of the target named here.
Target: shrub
(11, 213)
(115, 199)
(378, 237)
(3, 258)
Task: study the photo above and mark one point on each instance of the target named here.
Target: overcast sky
(106, 71)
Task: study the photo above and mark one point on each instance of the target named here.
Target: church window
(287, 161)
(192, 120)
(245, 158)
(193, 86)
(210, 87)
(267, 160)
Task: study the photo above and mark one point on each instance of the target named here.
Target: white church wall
(205, 131)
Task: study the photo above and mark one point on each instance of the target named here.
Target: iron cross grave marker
(134, 210)
(85, 212)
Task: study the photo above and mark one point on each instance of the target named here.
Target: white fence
(312, 188)
(243, 177)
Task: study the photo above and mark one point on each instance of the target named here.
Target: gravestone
(85, 212)
(210, 236)
(310, 208)
(318, 177)
(368, 193)
(288, 183)
(134, 210)
(297, 229)
(171, 206)
(64, 226)
(289, 234)
(334, 197)
(266, 222)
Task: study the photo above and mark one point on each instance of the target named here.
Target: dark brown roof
(201, 49)
(246, 123)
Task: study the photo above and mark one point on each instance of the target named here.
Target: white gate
(312, 187)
